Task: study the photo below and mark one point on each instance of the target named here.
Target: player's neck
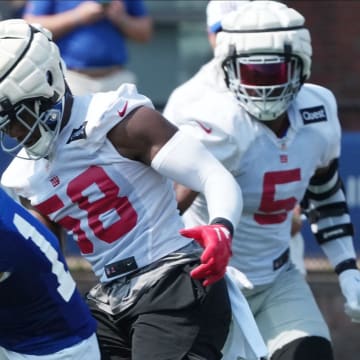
(67, 109)
(279, 126)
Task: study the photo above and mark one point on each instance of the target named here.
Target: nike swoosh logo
(123, 110)
(207, 129)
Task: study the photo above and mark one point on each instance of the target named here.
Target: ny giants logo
(55, 181)
(283, 158)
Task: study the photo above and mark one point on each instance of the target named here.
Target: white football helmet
(32, 86)
(265, 53)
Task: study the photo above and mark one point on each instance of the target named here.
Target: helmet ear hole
(232, 52)
(227, 81)
(224, 66)
(49, 78)
(226, 63)
(287, 51)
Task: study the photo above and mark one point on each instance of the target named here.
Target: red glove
(216, 240)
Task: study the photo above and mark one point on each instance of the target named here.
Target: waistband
(191, 251)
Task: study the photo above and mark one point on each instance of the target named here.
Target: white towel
(244, 340)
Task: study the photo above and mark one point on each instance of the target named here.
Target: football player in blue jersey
(42, 313)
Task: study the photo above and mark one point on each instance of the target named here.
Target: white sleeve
(186, 161)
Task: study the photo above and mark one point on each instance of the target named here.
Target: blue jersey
(99, 44)
(41, 311)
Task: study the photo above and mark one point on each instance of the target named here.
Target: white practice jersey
(117, 209)
(273, 173)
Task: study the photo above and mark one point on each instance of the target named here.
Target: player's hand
(216, 241)
(350, 287)
(88, 12)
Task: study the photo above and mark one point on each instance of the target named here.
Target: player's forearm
(184, 197)
(137, 29)
(329, 216)
(59, 24)
(187, 161)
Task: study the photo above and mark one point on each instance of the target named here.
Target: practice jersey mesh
(273, 173)
(117, 208)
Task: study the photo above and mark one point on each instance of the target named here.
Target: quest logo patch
(313, 115)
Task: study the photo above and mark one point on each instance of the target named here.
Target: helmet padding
(30, 65)
(32, 86)
(265, 26)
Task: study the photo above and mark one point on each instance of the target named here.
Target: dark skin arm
(296, 222)
(139, 29)
(184, 197)
(136, 28)
(141, 134)
(61, 24)
(54, 227)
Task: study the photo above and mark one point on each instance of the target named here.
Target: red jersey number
(107, 200)
(273, 211)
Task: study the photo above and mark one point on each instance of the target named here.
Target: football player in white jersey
(215, 10)
(43, 315)
(280, 138)
(102, 166)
